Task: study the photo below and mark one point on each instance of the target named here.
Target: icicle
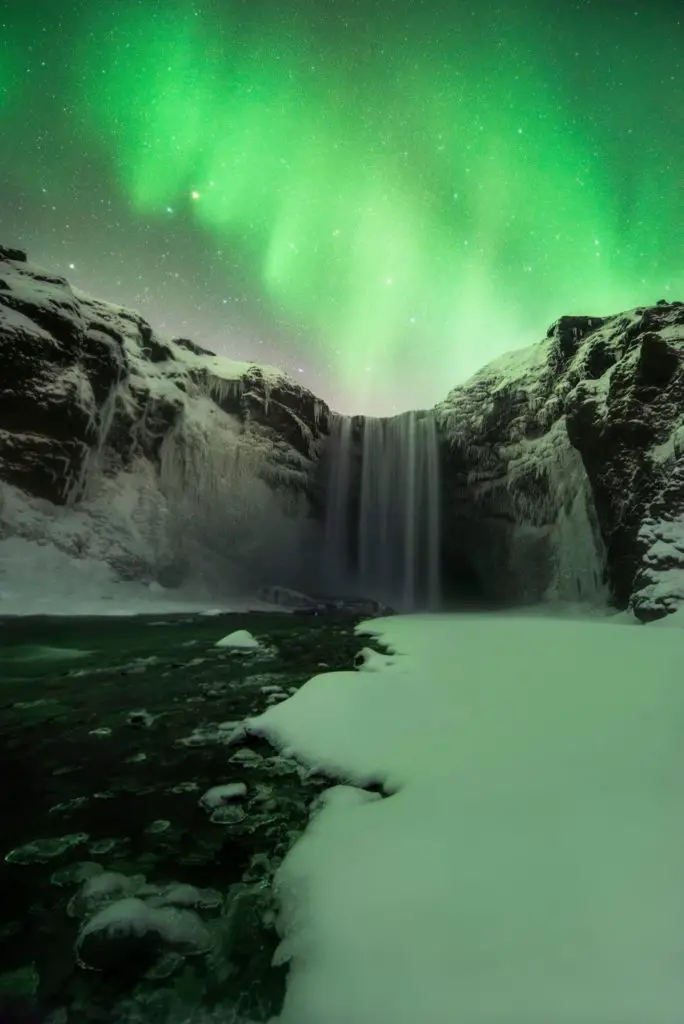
(223, 389)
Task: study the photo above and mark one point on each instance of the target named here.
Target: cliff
(563, 465)
(122, 446)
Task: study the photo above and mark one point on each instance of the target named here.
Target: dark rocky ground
(109, 736)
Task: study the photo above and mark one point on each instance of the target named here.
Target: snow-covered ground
(39, 579)
(527, 868)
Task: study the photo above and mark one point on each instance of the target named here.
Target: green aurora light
(417, 191)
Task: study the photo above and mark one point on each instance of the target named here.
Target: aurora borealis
(379, 195)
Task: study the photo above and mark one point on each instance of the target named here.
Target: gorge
(553, 474)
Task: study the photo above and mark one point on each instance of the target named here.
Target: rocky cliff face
(146, 440)
(563, 465)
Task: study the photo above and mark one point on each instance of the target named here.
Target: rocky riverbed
(133, 889)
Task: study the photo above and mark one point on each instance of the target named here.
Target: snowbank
(527, 869)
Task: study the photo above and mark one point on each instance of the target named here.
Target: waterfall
(338, 492)
(382, 530)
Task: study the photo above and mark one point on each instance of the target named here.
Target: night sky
(376, 195)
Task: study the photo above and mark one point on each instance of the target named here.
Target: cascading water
(338, 491)
(382, 509)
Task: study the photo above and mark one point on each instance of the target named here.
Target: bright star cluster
(377, 195)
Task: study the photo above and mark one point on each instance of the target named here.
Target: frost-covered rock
(239, 640)
(42, 850)
(220, 796)
(181, 894)
(122, 448)
(563, 465)
(102, 888)
(131, 930)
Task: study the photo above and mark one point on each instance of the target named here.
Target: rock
(368, 660)
(42, 850)
(131, 932)
(307, 604)
(157, 827)
(140, 717)
(248, 758)
(285, 597)
(220, 796)
(192, 346)
(239, 640)
(347, 607)
(563, 466)
(75, 874)
(184, 895)
(229, 814)
(7, 253)
(102, 888)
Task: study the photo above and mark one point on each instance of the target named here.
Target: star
(485, 158)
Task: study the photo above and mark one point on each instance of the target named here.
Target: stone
(42, 850)
(132, 932)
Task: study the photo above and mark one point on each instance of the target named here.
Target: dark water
(108, 738)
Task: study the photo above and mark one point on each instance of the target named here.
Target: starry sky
(376, 195)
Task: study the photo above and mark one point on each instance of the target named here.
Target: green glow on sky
(414, 193)
(11, 53)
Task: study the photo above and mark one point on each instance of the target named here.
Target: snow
(217, 796)
(31, 284)
(527, 868)
(661, 589)
(673, 333)
(511, 366)
(39, 579)
(240, 639)
(660, 583)
(368, 660)
(184, 895)
(228, 373)
(12, 322)
(132, 916)
(110, 884)
(43, 652)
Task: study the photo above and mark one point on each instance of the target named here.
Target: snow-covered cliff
(563, 465)
(128, 456)
(153, 458)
